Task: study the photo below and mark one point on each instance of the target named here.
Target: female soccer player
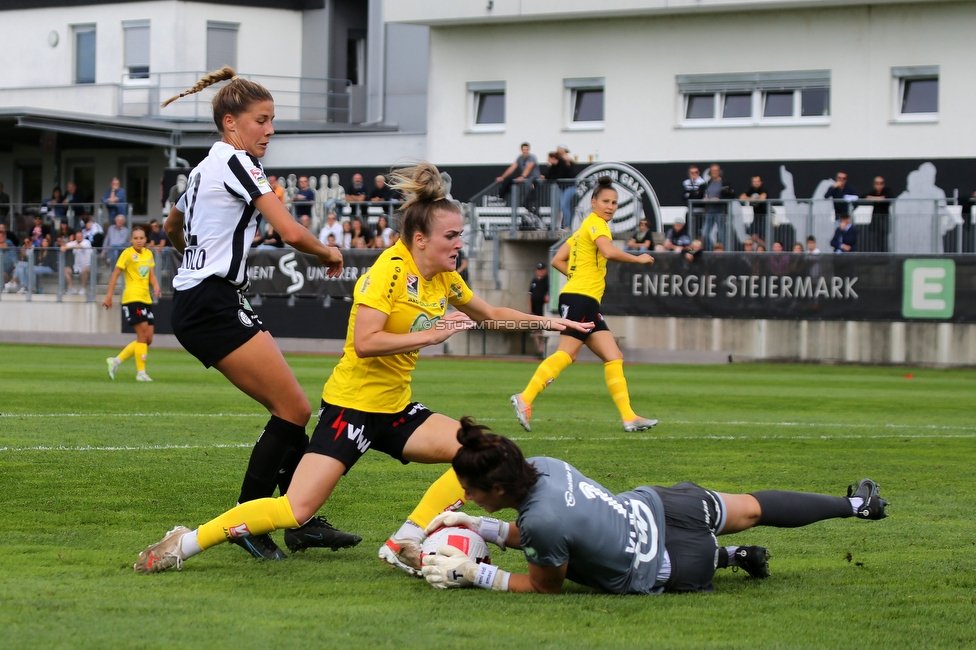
(139, 267)
(212, 225)
(399, 306)
(583, 260)
(645, 541)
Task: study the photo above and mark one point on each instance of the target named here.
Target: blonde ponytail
(233, 99)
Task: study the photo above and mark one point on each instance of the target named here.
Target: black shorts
(693, 517)
(345, 434)
(213, 319)
(581, 309)
(137, 312)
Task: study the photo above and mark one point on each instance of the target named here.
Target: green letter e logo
(929, 289)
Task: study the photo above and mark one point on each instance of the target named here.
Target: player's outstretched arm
(506, 318)
(296, 235)
(540, 579)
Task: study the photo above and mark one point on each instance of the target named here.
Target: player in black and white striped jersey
(212, 225)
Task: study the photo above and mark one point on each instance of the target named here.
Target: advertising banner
(796, 286)
(287, 272)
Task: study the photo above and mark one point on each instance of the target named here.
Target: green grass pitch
(91, 471)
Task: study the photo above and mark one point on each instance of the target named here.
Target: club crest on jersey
(413, 286)
(135, 257)
(443, 303)
(245, 319)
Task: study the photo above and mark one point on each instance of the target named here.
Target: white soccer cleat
(639, 424)
(403, 554)
(113, 365)
(164, 554)
(142, 376)
(523, 411)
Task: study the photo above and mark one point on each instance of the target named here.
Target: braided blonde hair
(233, 99)
(424, 193)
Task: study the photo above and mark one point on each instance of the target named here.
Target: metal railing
(19, 217)
(304, 99)
(901, 225)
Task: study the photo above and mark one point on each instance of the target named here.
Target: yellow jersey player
(583, 260)
(138, 265)
(399, 307)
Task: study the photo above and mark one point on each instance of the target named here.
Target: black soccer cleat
(317, 532)
(260, 546)
(754, 559)
(873, 506)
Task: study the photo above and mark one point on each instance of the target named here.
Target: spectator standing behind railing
(355, 195)
(116, 240)
(842, 194)
(278, 190)
(304, 198)
(524, 169)
(845, 237)
(114, 200)
(715, 211)
(381, 191)
(880, 197)
(54, 206)
(93, 232)
(156, 241)
(756, 196)
(561, 169)
(81, 250)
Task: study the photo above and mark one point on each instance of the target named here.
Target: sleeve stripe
(243, 177)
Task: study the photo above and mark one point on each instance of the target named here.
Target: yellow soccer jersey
(135, 267)
(587, 267)
(395, 287)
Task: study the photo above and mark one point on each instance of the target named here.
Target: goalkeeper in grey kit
(648, 540)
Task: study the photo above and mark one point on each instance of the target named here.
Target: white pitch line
(128, 447)
(133, 415)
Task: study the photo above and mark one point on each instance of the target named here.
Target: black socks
(784, 509)
(273, 459)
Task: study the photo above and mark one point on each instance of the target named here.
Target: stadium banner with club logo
(796, 286)
(287, 272)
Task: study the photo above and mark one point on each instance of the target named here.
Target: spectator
(45, 261)
(276, 188)
(54, 206)
(642, 239)
(269, 240)
(749, 246)
(538, 299)
(93, 232)
(719, 247)
(756, 196)
(331, 227)
(845, 237)
(381, 191)
(116, 240)
(330, 240)
(335, 196)
(525, 169)
(65, 234)
(693, 185)
(384, 234)
(812, 245)
(677, 237)
(156, 241)
(561, 172)
(72, 202)
(694, 250)
(797, 247)
(304, 198)
(760, 248)
(115, 205)
(11, 237)
(842, 194)
(880, 197)
(779, 263)
(359, 237)
(777, 247)
(346, 240)
(8, 259)
(306, 222)
(81, 250)
(4, 202)
(715, 211)
(40, 229)
(356, 194)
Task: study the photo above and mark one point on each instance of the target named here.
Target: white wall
(344, 149)
(640, 58)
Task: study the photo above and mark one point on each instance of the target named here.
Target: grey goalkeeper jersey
(611, 542)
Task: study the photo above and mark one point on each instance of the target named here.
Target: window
(585, 102)
(755, 99)
(356, 56)
(916, 92)
(487, 105)
(221, 44)
(84, 54)
(136, 48)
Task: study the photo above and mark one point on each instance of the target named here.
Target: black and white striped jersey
(219, 217)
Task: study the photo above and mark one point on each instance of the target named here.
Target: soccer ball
(467, 541)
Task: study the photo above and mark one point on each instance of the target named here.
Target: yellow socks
(251, 517)
(613, 371)
(141, 351)
(546, 373)
(128, 351)
(443, 494)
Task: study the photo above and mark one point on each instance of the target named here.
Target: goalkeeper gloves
(491, 529)
(450, 568)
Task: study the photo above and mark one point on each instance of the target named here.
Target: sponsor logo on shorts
(413, 286)
(245, 319)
